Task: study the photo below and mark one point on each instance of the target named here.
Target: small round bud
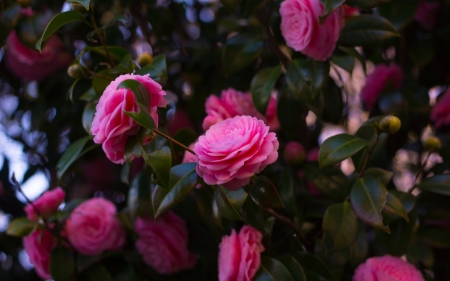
(433, 144)
(390, 124)
(294, 153)
(75, 71)
(144, 59)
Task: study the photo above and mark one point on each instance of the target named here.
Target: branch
(368, 156)
(422, 167)
(174, 141)
(100, 37)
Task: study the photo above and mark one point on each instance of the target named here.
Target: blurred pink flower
(233, 150)
(302, 32)
(240, 254)
(426, 14)
(350, 12)
(294, 153)
(440, 113)
(163, 242)
(387, 268)
(47, 204)
(39, 245)
(93, 227)
(111, 126)
(178, 119)
(29, 64)
(381, 78)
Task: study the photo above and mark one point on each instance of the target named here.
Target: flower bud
(75, 71)
(390, 124)
(433, 144)
(294, 153)
(144, 59)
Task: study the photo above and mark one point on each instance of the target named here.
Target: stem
(368, 156)
(93, 73)
(100, 37)
(174, 141)
(422, 167)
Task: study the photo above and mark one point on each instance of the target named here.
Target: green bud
(144, 59)
(390, 124)
(75, 71)
(433, 144)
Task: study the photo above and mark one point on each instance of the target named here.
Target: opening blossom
(47, 204)
(387, 268)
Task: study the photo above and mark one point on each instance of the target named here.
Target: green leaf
(368, 132)
(116, 53)
(344, 61)
(240, 50)
(382, 175)
(272, 270)
(62, 264)
(161, 162)
(359, 249)
(126, 65)
(264, 193)
(338, 148)
(139, 196)
(183, 179)
(294, 268)
(254, 215)
(287, 190)
(88, 116)
(229, 202)
(287, 107)
(142, 117)
(439, 184)
(119, 20)
(262, 86)
(399, 12)
(366, 30)
(315, 265)
(365, 4)
(341, 222)
(354, 53)
(72, 87)
(314, 73)
(394, 206)
(85, 3)
(435, 237)
(329, 7)
(157, 68)
(100, 82)
(20, 227)
(135, 147)
(368, 197)
(139, 91)
(95, 273)
(230, 5)
(407, 199)
(56, 22)
(333, 104)
(329, 181)
(72, 153)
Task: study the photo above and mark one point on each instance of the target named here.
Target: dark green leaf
(183, 179)
(157, 68)
(142, 117)
(333, 104)
(313, 73)
(71, 154)
(354, 53)
(341, 222)
(287, 107)
(394, 206)
(329, 7)
(366, 30)
(338, 148)
(407, 199)
(264, 193)
(344, 61)
(359, 249)
(161, 162)
(365, 4)
(294, 268)
(420, 253)
(56, 22)
(314, 264)
(62, 264)
(100, 82)
(126, 65)
(399, 12)
(120, 20)
(294, 78)
(240, 50)
(229, 202)
(330, 181)
(435, 237)
(88, 116)
(439, 184)
(262, 86)
(20, 227)
(368, 132)
(254, 215)
(85, 3)
(116, 53)
(272, 270)
(368, 197)
(135, 146)
(95, 273)
(287, 190)
(382, 175)
(139, 196)
(139, 91)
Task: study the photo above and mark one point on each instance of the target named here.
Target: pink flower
(177, 119)
(300, 28)
(29, 64)
(350, 12)
(93, 227)
(39, 245)
(111, 126)
(386, 268)
(240, 255)
(426, 14)
(440, 113)
(162, 243)
(382, 77)
(294, 153)
(189, 157)
(47, 204)
(233, 150)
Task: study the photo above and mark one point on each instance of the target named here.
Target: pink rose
(294, 153)
(381, 78)
(426, 14)
(387, 268)
(350, 12)
(111, 127)
(240, 255)
(29, 64)
(233, 150)
(93, 227)
(39, 245)
(300, 28)
(47, 204)
(440, 113)
(162, 243)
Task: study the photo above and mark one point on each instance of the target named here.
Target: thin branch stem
(366, 161)
(93, 73)
(174, 141)
(422, 167)
(100, 37)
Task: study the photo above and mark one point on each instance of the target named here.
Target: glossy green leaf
(354, 53)
(294, 268)
(272, 270)
(359, 250)
(161, 162)
(116, 20)
(139, 197)
(407, 199)
(287, 190)
(314, 73)
(369, 133)
(88, 116)
(341, 222)
(62, 264)
(157, 68)
(329, 7)
(241, 50)
(394, 206)
(71, 154)
(314, 264)
(85, 3)
(126, 65)
(294, 78)
(365, 4)
(439, 184)
(368, 197)
(142, 117)
(229, 203)
(344, 61)
(366, 30)
(135, 146)
(183, 179)
(329, 181)
(399, 12)
(262, 86)
(264, 193)
(20, 227)
(382, 175)
(56, 22)
(338, 148)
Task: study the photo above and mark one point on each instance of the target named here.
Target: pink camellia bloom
(233, 150)
(93, 227)
(162, 243)
(111, 126)
(189, 157)
(302, 32)
(426, 14)
(382, 77)
(46, 205)
(440, 113)
(350, 12)
(294, 153)
(240, 255)
(29, 64)
(386, 268)
(39, 245)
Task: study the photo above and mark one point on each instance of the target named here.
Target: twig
(100, 37)
(93, 73)
(422, 167)
(368, 156)
(174, 141)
